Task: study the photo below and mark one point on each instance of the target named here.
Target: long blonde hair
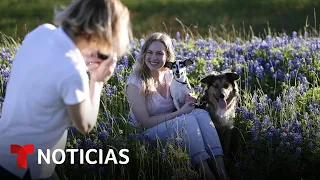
(104, 23)
(141, 70)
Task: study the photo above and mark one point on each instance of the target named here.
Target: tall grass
(19, 17)
(278, 112)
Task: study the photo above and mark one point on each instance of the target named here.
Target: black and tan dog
(220, 100)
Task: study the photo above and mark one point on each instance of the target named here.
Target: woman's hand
(191, 98)
(102, 70)
(187, 108)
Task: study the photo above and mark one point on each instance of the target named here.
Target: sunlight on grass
(278, 113)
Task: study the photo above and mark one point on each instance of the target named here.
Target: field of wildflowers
(278, 113)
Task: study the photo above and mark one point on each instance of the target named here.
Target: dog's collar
(180, 81)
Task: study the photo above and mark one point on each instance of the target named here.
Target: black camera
(102, 56)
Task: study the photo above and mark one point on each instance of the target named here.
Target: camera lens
(102, 56)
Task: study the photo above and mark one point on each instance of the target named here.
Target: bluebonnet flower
(290, 96)
(5, 54)
(103, 126)
(125, 61)
(73, 129)
(296, 127)
(225, 66)
(119, 77)
(218, 68)
(244, 112)
(103, 135)
(209, 67)
(110, 90)
(251, 115)
(268, 136)
(297, 138)
(135, 54)
(277, 104)
(284, 136)
(223, 44)
(266, 121)
(259, 108)
(187, 38)
(191, 68)
(78, 143)
(274, 131)
(198, 88)
(178, 35)
(279, 55)
(257, 123)
(314, 108)
(90, 143)
(279, 75)
(294, 34)
(302, 88)
(238, 70)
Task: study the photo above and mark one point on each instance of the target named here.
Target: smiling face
(156, 56)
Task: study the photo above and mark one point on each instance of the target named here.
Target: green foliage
(277, 118)
(212, 17)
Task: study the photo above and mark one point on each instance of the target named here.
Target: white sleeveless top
(157, 104)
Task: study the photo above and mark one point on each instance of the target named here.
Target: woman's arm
(85, 114)
(140, 110)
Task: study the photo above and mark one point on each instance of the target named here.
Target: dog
(220, 100)
(180, 85)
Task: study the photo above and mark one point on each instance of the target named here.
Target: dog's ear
(188, 62)
(168, 64)
(232, 76)
(208, 79)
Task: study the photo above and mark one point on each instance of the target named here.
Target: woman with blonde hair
(153, 110)
(49, 87)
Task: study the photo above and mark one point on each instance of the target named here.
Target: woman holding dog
(49, 87)
(153, 110)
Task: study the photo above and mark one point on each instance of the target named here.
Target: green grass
(18, 17)
(272, 159)
(285, 147)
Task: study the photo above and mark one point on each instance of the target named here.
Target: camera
(102, 56)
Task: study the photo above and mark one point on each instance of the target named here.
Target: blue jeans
(197, 130)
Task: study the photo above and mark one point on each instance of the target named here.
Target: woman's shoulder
(134, 79)
(169, 76)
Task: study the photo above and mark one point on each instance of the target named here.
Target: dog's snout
(221, 96)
